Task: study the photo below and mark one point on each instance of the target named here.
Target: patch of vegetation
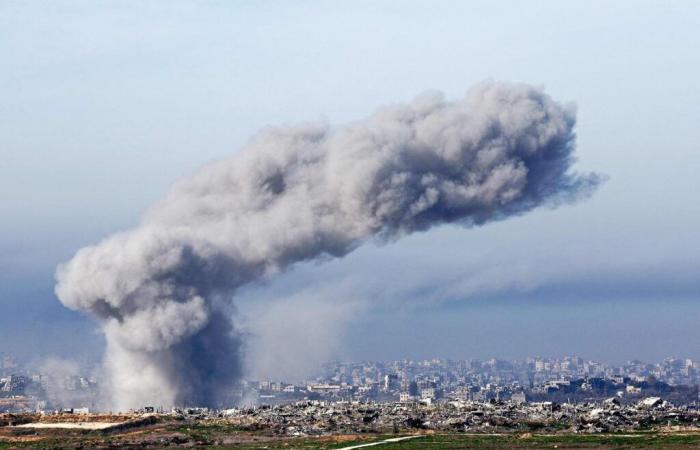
(598, 441)
(211, 436)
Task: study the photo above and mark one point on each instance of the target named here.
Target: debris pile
(320, 418)
(317, 418)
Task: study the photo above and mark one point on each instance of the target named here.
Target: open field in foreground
(217, 435)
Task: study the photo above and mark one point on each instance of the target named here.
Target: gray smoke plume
(163, 290)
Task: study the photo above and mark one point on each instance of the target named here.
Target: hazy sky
(104, 104)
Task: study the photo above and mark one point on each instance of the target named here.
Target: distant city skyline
(60, 384)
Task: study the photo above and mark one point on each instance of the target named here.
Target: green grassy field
(462, 441)
(223, 436)
(457, 441)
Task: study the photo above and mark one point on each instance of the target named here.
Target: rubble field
(652, 423)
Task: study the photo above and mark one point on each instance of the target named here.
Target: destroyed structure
(315, 418)
(320, 418)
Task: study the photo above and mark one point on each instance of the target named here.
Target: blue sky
(104, 105)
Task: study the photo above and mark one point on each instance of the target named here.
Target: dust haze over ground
(162, 291)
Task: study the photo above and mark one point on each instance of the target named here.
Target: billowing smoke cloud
(63, 385)
(162, 290)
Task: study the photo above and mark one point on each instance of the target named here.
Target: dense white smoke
(162, 291)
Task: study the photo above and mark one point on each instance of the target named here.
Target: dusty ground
(71, 425)
(152, 432)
